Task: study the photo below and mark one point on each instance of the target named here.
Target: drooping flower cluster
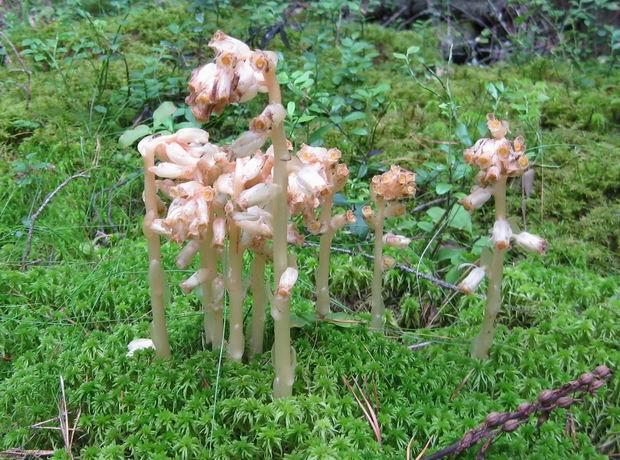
(188, 164)
(236, 75)
(498, 159)
(498, 155)
(386, 189)
(314, 177)
(395, 184)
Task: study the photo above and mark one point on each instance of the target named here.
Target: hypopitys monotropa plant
(498, 159)
(221, 193)
(180, 155)
(386, 191)
(314, 178)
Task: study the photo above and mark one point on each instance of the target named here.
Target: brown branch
(402, 267)
(366, 407)
(429, 204)
(497, 423)
(27, 87)
(38, 212)
(26, 453)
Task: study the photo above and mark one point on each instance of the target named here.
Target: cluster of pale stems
(223, 201)
(498, 159)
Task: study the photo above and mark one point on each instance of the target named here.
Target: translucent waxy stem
(157, 279)
(378, 308)
(322, 273)
(213, 317)
(259, 297)
(283, 359)
(235, 295)
(483, 341)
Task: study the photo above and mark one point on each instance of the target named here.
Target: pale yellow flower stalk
(284, 355)
(386, 189)
(213, 310)
(157, 282)
(498, 159)
(320, 177)
(247, 221)
(259, 294)
(189, 163)
(236, 75)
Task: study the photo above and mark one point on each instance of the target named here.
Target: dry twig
(38, 212)
(402, 267)
(369, 411)
(64, 426)
(497, 423)
(27, 87)
(26, 453)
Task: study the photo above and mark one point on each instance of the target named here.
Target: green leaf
(442, 188)
(426, 226)
(290, 109)
(361, 173)
(413, 50)
(302, 319)
(449, 253)
(462, 134)
(492, 90)
(360, 132)
(453, 275)
(340, 200)
(354, 116)
(435, 213)
(359, 228)
(400, 56)
(132, 135)
(162, 113)
(461, 219)
(318, 134)
(480, 245)
(306, 118)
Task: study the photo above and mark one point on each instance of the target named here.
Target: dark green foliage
(73, 312)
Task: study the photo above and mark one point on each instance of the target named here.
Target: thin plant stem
(212, 317)
(378, 308)
(322, 274)
(157, 278)
(283, 356)
(235, 293)
(259, 296)
(482, 343)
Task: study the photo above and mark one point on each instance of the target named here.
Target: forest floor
(71, 303)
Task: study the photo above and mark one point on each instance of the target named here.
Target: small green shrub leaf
(132, 135)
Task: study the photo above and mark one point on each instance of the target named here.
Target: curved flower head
(530, 242)
(395, 184)
(235, 76)
(308, 154)
(502, 232)
(286, 283)
(223, 43)
(498, 128)
(472, 280)
(251, 141)
(340, 220)
(396, 241)
(476, 198)
(188, 214)
(497, 156)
